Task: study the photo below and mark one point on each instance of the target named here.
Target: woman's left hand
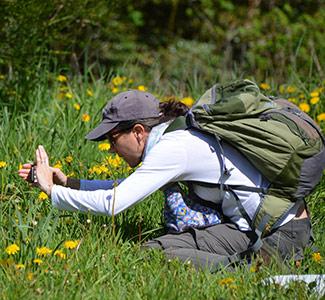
(44, 173)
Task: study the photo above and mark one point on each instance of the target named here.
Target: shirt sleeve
(163, 164)
(93, 185)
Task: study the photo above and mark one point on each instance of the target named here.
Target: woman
(135, 124)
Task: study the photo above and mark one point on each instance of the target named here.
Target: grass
(108, 261)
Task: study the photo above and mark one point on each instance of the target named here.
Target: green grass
(108, 263)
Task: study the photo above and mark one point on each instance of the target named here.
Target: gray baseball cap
(125, 106)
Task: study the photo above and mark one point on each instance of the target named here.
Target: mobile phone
(32, 175)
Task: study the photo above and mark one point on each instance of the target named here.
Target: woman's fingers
(41, 155)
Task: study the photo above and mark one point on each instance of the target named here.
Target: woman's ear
(139, 132)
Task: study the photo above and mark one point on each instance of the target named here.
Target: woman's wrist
(73, 183)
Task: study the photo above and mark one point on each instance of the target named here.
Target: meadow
(51, 254)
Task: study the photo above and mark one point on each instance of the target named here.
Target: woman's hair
(169, 111)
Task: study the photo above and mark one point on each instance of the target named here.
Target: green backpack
(281, 141)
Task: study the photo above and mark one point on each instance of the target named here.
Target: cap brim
(98, 134)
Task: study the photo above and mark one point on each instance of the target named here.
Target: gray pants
(208, 247)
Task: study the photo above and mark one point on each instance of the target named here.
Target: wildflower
(130, 81)
(104, 146)
(71, 244)
(115, 161)
(62, 78)
(314, 100)
(290, 89)
(42, 196)
(20, 266)
(43, 251)
(60, 254)
(316, 257)
(3, 164)
(314, 94)
(69, 95)
(142, 88)
(69, 159)
(265, 86)
(304, 107)
(37, 261)
(302, 96)
(188, 101)
(12, 249)
(292, 99)
(226, 281)
(282, 89)
(88, 221)
(30, 276)
(2, 77)
(90, 93)
(85, 118)
(321, 117)
(115, 90)
(117, 80)
(76, 106)
(58, 164)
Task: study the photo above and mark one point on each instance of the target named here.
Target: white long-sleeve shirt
(181, 155)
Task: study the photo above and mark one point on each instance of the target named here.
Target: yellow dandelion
(2, 77)
(265, 86)
(302, 96)
(71, 244)
(69, 159)
(292, 99)
(282, 89)
(321, 117)
(76, 106)
(317, 257)
(62, 78)
(314, 100)
(60, 254)
(42, 196)
(68, 95)
(71, 174)
(304, 107)
(104, 146)
(130, 81)
(90, 93)
(37, 261)
(188, 101)
(30, 276)
(314, 94)
(85, 118)
(58, 164)
(115, 90)
(142, 88)
(114, 161)
(12, 249)
(291, 89)
(118, 80)
(226, 281)
(3, 164)
(20, 266)
(43, 251)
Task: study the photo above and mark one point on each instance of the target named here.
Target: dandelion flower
(316, 257)
(117, 80)
(42, 196)
(2, 77)
(90, 93)
(58, 164)
(60, 254)
(304, 107)
(104, 146)
(302, 96)
(62, 78)
(292, 99)
(85, 118)
(37, 261)
(265, 86)
(71, 244)
(314, 100)
(12, 249)
(321, 117)
(314, 94)
(69, 159)
(76, 106)
(69, 95)
(115, 90)
(142, 88)
(30, 276)
(188, 101)
(226, 281)
(20, 266)
(291, 89)
(43, 251)
(3, 164)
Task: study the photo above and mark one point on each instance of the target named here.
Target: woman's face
(129, 145)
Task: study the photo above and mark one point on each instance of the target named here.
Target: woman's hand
(44, 173)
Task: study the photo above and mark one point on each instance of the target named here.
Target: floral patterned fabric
(181, 213)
